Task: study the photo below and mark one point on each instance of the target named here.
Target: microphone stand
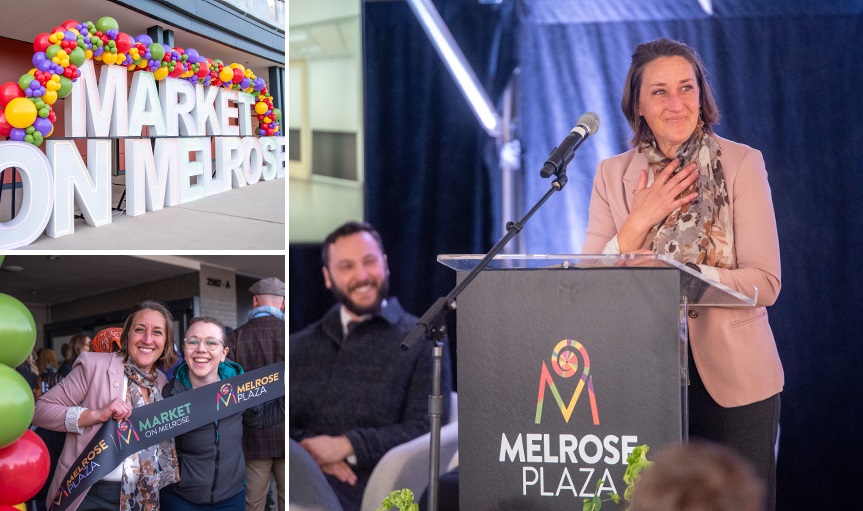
(432, 326)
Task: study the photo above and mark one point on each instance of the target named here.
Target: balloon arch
(26, 106)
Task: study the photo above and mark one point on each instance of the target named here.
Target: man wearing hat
(258, 343)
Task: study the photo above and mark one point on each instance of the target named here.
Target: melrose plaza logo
(564, 361)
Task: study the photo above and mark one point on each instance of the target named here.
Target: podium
(565, 364)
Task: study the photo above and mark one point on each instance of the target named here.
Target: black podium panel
(561, 373)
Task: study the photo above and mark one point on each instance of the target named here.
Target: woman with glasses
(212, 465)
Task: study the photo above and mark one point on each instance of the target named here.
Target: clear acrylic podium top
(695, 288)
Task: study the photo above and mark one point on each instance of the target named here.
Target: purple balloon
(245, 83)
(42, 125)
(144, 39)
(193, 55)
(17, 134)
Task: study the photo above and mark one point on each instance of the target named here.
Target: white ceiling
(34, 16)
(47, 280)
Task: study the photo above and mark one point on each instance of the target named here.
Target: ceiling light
(12, 268)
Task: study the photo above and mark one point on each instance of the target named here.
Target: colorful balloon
(10, 91)
(41, 42)
(20, 112)
(24, 467)
(16, 407)
(106, 23)
(226, 74)
(17, 327)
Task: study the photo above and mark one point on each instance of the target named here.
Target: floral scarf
(702, 231)
(146, 471)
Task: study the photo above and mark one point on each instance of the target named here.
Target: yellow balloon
(161, 73)
(20, 112)
(50, 97)
(21, 506)
(261, 108)
(109, 58)
(226, 74)
(238, 66)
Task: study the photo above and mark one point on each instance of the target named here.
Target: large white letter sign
(37, 180)
(74, 182)
(205, 110)
(268, 146)
(152, 180)
(146, 110)
(229, 160)
(225, 112)
(106, 105)
(280, 155)
(244, 103)
(253, 159)
(178, 100)
(203, 163)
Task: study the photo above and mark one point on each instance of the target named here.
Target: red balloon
(124, 42)
(178, 70)
(238, 75)
(41, 42)
(5, 127)
(8, 92)
(203, 69)
(69, 24)
(24, 467)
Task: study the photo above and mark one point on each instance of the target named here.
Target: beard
(382, 287)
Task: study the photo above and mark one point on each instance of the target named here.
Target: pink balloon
(24, 467)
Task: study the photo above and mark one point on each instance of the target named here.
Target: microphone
(561, 155)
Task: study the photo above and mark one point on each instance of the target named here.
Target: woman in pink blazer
(105, 386)
(686, 193)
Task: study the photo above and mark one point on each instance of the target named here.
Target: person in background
(686, 193)
(213, 468)
(78, 344)
(354, 392)
(259, 343)
(106, 386)
(29, 370)
(698, 476)
(47, 361)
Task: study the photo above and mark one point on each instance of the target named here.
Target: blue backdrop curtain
(788, 79)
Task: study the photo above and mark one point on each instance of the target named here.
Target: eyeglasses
(211, 343)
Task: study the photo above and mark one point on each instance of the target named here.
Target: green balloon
(77, 57)
(1, 259)
(157, 51)
(51, 51)
(106, 23)
(65, 87)
(277, 114)
(17, 331)
(25, 80)
(16, 406)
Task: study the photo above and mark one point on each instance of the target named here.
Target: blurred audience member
(78, 344)
(698, 476)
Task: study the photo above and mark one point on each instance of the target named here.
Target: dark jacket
(212, 466)
(259, 343)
